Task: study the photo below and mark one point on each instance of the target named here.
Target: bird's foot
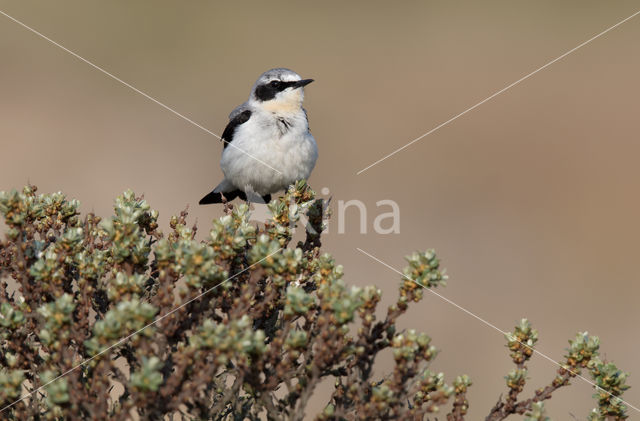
(228, 207)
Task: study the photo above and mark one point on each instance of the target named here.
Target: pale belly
(292, 156)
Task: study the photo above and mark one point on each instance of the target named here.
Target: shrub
(112, 319)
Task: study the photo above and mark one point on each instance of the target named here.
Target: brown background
(531, 199)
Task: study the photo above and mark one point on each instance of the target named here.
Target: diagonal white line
(498, 93)
(80, 364)
(149, 97)
(491, 325)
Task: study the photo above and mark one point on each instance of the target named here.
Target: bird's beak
(303, 82)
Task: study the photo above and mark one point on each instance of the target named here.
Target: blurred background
(531, 200)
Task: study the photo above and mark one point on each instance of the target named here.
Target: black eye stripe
(281, 86)
(268, 91)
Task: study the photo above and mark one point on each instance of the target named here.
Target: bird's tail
(216, 197)
(230, 192)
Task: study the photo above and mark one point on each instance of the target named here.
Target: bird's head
(279, 91)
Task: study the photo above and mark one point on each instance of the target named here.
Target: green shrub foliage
(114, 319)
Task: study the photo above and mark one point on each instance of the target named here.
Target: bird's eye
(275, 84)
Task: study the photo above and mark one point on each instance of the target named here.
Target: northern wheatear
(267, 143)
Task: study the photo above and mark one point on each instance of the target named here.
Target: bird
(267, 142)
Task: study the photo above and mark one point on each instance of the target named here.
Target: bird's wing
(238, 116)
(238, 110)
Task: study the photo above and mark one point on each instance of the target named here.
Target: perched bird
(267, 143)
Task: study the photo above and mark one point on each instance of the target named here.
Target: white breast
(292, 151)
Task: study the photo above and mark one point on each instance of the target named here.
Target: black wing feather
(227, 137)
(229, 131)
